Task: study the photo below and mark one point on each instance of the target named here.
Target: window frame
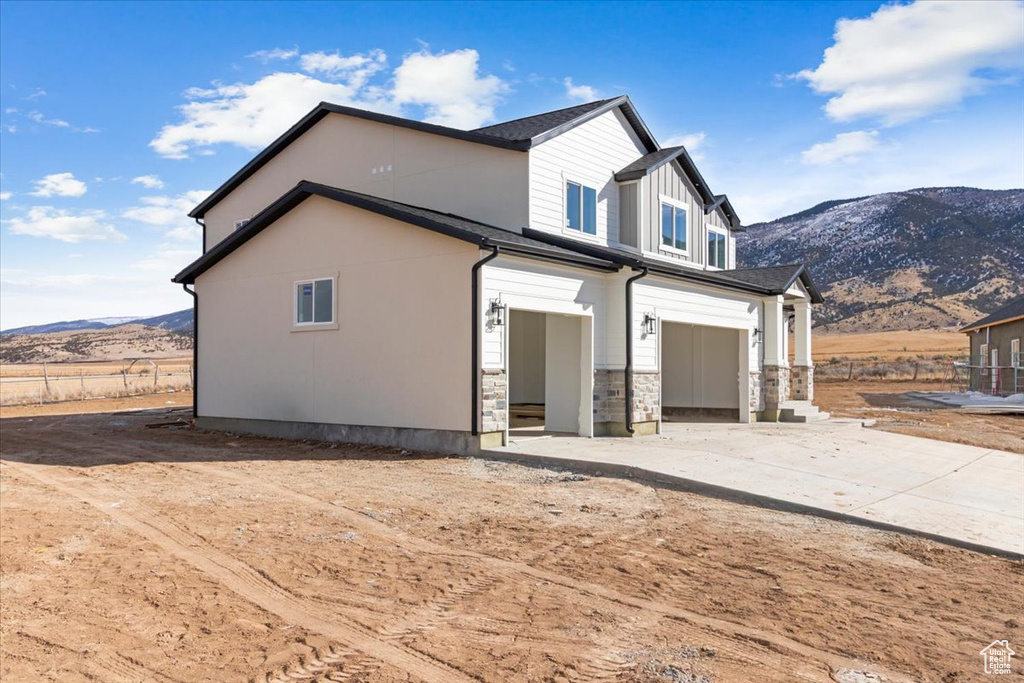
(332, 324)
(715, 230)
(1016, 358)
(569, 180)
(675, 204)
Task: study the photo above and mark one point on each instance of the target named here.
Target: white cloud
(39, 297)
(167, 259)
(356, 70)
(150, 182)
(247, 115)
(907, 61)
(584, 93)
(691, 141)
(39, 118)
(170, 214)
(66, 226)
(844, 147)
(59, 185)
(4, 196)
(266, 56)
(449, 86)
(39, 92)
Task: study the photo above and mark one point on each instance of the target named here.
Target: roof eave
(629, 111)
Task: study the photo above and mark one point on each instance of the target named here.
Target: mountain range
(179, 321)
(924, 258)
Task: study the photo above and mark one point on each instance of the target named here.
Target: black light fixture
(648, 323)
(758, 335)
(497, 312)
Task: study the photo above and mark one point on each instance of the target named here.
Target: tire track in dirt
(239, 577)
(817, 661)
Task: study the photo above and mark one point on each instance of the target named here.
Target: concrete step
(816, 417)
(800, 411)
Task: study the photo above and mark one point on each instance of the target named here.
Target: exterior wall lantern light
(497, 312)
(648, 324)
(758, 335)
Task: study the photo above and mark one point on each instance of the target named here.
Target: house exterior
(375, 279)
(997, 366)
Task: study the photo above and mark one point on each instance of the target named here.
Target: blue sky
(117, 118)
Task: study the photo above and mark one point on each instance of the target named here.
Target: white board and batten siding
(668, 181)
(679, 302)
(527, 285)
(589, 154)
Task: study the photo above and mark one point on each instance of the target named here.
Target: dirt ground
(892, 344)
(135, 554)
(894, 411)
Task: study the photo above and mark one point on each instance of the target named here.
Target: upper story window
(673, 226)
(580, 208)
(314, 302)
(717, 250)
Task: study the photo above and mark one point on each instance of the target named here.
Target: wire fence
(59, 384)
(918, 370)
(959, 375)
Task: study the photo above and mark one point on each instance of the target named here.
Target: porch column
(802, 373)
(776, 365)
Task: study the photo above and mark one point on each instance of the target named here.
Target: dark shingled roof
(1011, 311)
(647, 163)
(529, 127)
(773, 280)
(445, 223)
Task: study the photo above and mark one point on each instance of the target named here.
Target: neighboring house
(376, 279)
(998, 366)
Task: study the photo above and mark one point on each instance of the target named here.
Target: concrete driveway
(966, 495)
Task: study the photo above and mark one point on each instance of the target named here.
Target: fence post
(156, 375)
(46, 378)
(850, 376)
(124, 377)
(915, 370)
(190, 385)
(81, 381)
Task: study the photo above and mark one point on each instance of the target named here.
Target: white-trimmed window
(674, 226)
(580, 207)
(314, 302)
(1015, 358)
(718, 249)
(983, 355)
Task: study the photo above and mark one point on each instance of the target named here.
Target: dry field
(135, 554)
(70, 381)
(891, 345)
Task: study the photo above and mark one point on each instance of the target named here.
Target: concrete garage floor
(962, 494)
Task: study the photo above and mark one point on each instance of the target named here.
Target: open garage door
(700, 373)
(550, 374)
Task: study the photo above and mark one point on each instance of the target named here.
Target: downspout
(475, 335)
(195, 349)
(629, 348)
(202, 225)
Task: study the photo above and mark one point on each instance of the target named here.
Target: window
(983, 355)
(1015, 358)
(717, 248)
(581, 208)
(314, 302)
(673, 226)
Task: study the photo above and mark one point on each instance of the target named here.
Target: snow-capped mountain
(930, 257)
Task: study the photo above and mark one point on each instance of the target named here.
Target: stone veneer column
(776, 389)
(493, 400)
(756, 393)
(802, 382)
(610, 403)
